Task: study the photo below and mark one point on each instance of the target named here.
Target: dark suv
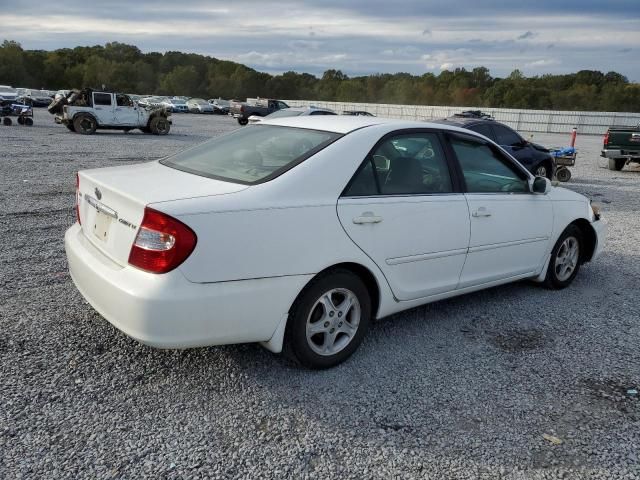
(535, 158)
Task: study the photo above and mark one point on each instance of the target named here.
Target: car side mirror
(541, 185)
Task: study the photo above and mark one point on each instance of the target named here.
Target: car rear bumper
(169, 311)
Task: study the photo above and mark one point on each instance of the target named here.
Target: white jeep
(85, 111)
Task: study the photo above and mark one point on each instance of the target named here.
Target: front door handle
(367, 217)
(481, 212)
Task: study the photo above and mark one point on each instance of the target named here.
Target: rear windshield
(251, 154)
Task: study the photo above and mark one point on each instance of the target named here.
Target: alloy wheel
(567, 258)
(333, 321)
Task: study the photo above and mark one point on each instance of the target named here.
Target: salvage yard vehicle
(536, 158)
(219, 105)
(8, 93)
(621, 146)
(259, 107)
(298, 232)
(293, 112)
(87, 110)
(35, 98)
(199, 105)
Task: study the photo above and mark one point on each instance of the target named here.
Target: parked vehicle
(293, 112)
(298, 232)
(35, 98)
(358, 113)
(260, 107)
(61, 93)
(85, 111)
(154, 101)
(8, 93)
(621, 146)
(176, 105)
(199, 105)
(536, 158)
(219, 105)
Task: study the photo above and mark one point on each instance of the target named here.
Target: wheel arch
(589, 237)
(275, 343)
(86, 114)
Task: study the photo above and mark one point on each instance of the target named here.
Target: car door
(103, 107)
(126, 111)
(510, 226)
(404, 208)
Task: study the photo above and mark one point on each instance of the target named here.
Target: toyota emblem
(98, 193)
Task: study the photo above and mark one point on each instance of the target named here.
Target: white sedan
(298, 232)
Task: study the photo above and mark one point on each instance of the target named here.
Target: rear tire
(6, 121)
(616, 163)
(243, 121)
(20, 121)
(28, 121)
(564, 263)
(85, 125)
(328, 320)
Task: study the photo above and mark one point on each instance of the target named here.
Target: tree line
(124, 68)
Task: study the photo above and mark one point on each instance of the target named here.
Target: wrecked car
(84, 111)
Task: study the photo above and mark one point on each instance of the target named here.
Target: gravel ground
(463, 388)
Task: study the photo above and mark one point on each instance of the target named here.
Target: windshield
(200, 101)
(251, 154)
(285, 113)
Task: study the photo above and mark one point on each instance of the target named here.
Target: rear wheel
(616, 163)
(243, 121)
(85, 124)
(328, 320)
(565, 259)
(6, 121)
(21, 120)
(28, 121)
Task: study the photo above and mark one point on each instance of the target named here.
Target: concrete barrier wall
(547, 121)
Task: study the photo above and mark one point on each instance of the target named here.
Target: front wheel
(616, 163)
(564, 263)
(243, 121)
(159, 126)
(328, 320)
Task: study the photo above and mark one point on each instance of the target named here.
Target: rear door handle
(367, 217)
(481, 212)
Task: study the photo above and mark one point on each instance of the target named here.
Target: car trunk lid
(112, 201)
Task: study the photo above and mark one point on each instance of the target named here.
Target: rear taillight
(606, 138)
(78, 198)
(162, 243)
(242, 108)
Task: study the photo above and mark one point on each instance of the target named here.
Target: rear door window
(483, 129)
(102, 98)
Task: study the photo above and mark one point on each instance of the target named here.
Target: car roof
(348, 123)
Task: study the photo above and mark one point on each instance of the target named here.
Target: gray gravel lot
(463, 388)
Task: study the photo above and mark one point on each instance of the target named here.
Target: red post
(574, 133)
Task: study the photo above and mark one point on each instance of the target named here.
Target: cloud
(358, 37)
(527, 34)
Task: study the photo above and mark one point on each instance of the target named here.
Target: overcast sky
(356, 36)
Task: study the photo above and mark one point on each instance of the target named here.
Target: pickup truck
(85, 111)
(621, 146)
(260, 107)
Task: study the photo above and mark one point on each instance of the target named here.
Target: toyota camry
(298, 232)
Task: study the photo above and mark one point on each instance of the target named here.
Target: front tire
(159, 126)
(564, 263)
(328, 320)
(243, 121)
(616, 163)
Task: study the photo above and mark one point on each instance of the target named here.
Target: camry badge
(98, 193)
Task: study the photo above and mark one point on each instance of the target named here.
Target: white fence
(547, 121)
